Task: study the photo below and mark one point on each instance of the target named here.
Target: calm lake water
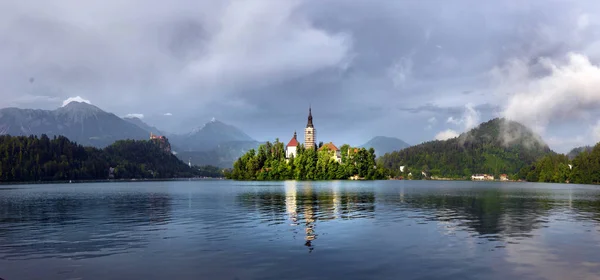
(300, 230)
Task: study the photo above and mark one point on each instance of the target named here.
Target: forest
(557, 168)
(42, 158)
(495, 147)
(269, 163)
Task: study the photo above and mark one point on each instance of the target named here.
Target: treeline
(58, 159)
(558, 168)
(208, 171)
(269, 163)
(481, 150)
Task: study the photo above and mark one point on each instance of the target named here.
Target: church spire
(310, 123)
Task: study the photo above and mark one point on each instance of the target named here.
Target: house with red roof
(337, 153)
(291, 148)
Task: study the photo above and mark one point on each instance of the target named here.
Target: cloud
(167, 114)
(568, 90)
(446, 134)
(247, 61)
(595, 131)
(430, 122)
(400, 72)
(469, 119)
(76, 99)
(139, 116)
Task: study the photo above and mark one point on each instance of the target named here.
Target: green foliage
(555, 168)
(44, 159)
(269, 163)
(495, 147)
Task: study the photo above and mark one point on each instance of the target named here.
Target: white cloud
(167, 114)
(583, 21)
(446, 134)
(266, 41)
(139, 116)
(401, 71)
(595, 131)
(453, 121)
(77, 99)
(568, 92)
(470, 118)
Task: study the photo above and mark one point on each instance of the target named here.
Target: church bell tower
(310, 134)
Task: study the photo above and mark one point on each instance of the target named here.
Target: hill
(45, 159)
(224, 155)
(81, 122)
(384, 145)
(494, 147)
(141, 124)
(209, 136)
(576, 151)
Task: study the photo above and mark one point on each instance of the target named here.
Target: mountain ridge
(83, 123)
(495, 147)
(385, 144)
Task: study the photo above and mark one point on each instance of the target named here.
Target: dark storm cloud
(367, 67)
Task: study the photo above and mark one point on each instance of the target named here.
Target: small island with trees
(296, 161)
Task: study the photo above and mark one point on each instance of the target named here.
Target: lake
(216, 229)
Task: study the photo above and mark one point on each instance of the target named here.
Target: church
(310, 140)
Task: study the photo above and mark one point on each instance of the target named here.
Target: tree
(308, 164)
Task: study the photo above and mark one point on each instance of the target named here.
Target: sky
(416, 70)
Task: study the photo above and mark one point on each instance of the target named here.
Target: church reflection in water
(304, 205)
(494, 214)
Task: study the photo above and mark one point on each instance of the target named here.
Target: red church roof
(330, 146)
(293, 142)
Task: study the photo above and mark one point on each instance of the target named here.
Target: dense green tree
(43, 159)
(309, 164)
(557, 168)
(495, 147)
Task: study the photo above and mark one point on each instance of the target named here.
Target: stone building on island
(292, 147)
(310, 133)
(337, 153)
(310, 139)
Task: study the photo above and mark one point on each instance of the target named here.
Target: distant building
(503, 177)
(292, 147)
(310, 133)
(482, 177)
(402, 168)
(337, 155)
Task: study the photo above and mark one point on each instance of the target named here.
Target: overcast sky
(417, 70)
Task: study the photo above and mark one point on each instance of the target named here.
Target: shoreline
(107, 181)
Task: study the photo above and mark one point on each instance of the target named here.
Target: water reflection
(305, 205)
(491, 213)
(78, 226)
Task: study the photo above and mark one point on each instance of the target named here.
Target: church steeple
(310, 132)
(310, 123)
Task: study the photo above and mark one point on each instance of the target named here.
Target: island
(308, 161)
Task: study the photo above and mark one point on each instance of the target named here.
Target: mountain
(35, 158)
(576, 151)
(209, 136)
(141, 124)
(494, 147)
(384, 145)
(80, 122)
(224, 155)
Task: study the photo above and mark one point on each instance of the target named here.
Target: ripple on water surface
(302, 230)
